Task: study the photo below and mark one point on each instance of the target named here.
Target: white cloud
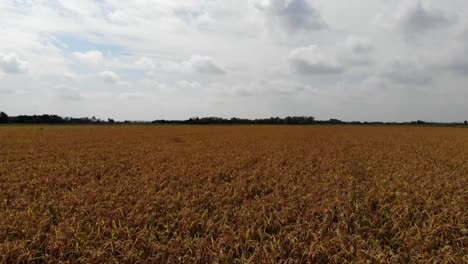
(184, 84)
(311, 60)
(457, 66)
(11, 63)
(407, 73)
(292, 15)
(200, 19)
(204, 65)
(110, 77)
(358, 51)
(70, 77)
(358, 44)
(93, 57)
(416, 18)
(145, 63)
(118, 16)
(454, 61)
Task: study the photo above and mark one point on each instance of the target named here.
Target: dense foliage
(3, 118)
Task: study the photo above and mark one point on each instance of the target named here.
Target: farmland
(227, 194)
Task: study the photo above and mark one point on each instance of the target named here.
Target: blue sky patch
(132, 76)
(80, 43)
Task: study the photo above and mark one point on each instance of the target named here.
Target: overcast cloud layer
(152, 59)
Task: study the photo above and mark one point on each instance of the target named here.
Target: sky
(367, 60)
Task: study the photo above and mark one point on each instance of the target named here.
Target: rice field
(233, 194)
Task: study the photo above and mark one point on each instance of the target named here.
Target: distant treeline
(49, 119)
(290, 120)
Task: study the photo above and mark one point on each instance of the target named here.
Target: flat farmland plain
(233, 194)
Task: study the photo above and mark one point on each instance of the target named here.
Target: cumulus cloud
(11, 63)
(292, 15)
(118, 16)
(184, 84)
(358, 44)
(416, 18)
(204, 65)
(358, 51)
(406, 73)
(454, 61)
(110, 77)
(311, 61)
(457, 66)
(200, 19)
(70, 77)
(93, 57)
(144, 63)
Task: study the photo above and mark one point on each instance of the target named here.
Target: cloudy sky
(152, 59)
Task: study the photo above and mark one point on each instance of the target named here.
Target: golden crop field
(233, 194)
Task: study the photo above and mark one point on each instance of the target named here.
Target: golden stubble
(233, 194)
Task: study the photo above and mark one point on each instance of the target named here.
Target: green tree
(3, 118)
